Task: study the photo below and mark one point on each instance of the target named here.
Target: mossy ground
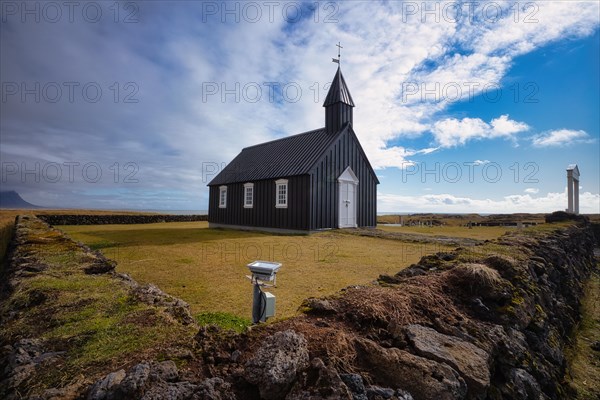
(583, 361)
(224, 320)
(93, 318)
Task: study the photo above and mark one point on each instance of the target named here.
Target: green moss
(223, 320)
(304, 309)
(540, 315)
(527, 361)
(101, 244)
(553, 339)
(517, 300)
(93, 318)
(507, 310)
(63, 259)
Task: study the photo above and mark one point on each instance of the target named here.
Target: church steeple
(338, 104)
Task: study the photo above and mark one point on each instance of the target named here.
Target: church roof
(338, 92)
(289, 156)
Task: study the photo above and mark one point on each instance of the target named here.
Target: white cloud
(503, 126)
(589, 203)
(452, 132)
(526, 26)
(388, 50)
(396, 156)
(560, 138)
(480, 162)
(532, 190)
(490, 46)
(428, 150)
(172, 52)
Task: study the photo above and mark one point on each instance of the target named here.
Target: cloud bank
(183, 88)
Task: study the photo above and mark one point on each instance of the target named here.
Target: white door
(347, 183)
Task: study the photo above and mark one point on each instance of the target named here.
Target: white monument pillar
(576, 196)
(573, 189)
(569, 192)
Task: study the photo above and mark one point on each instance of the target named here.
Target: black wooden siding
(344, 152)
(336, 115)
(263, 213)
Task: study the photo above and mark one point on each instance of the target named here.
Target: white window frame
(222, 196)
(278, 184)
(248, 187)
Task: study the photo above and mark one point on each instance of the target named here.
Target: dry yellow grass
(583, 362)
(477, 232)
(207, 267)
(480, 273)
(7, 222)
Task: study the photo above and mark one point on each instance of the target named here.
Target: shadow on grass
(165, 237)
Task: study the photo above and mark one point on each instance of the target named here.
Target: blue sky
(460, 108)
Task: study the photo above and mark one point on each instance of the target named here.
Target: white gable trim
(348, 176)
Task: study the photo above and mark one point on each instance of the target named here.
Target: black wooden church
(315, 180)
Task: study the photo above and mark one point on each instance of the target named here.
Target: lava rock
(471, 362)
(104, 388)
(524, 386)
(377, 393)
(318, 306)
(424, 378)
(151, 294)
(275, 365)
(320, 382)
(355, 384)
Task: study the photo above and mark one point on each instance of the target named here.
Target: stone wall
(118, 219)
(489, 322)
(46, 266)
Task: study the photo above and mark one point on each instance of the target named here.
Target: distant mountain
(12, 199)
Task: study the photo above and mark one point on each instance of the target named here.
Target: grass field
(207, 267)
(477, 232)
(584, 363)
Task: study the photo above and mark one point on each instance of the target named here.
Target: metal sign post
(263, 303)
